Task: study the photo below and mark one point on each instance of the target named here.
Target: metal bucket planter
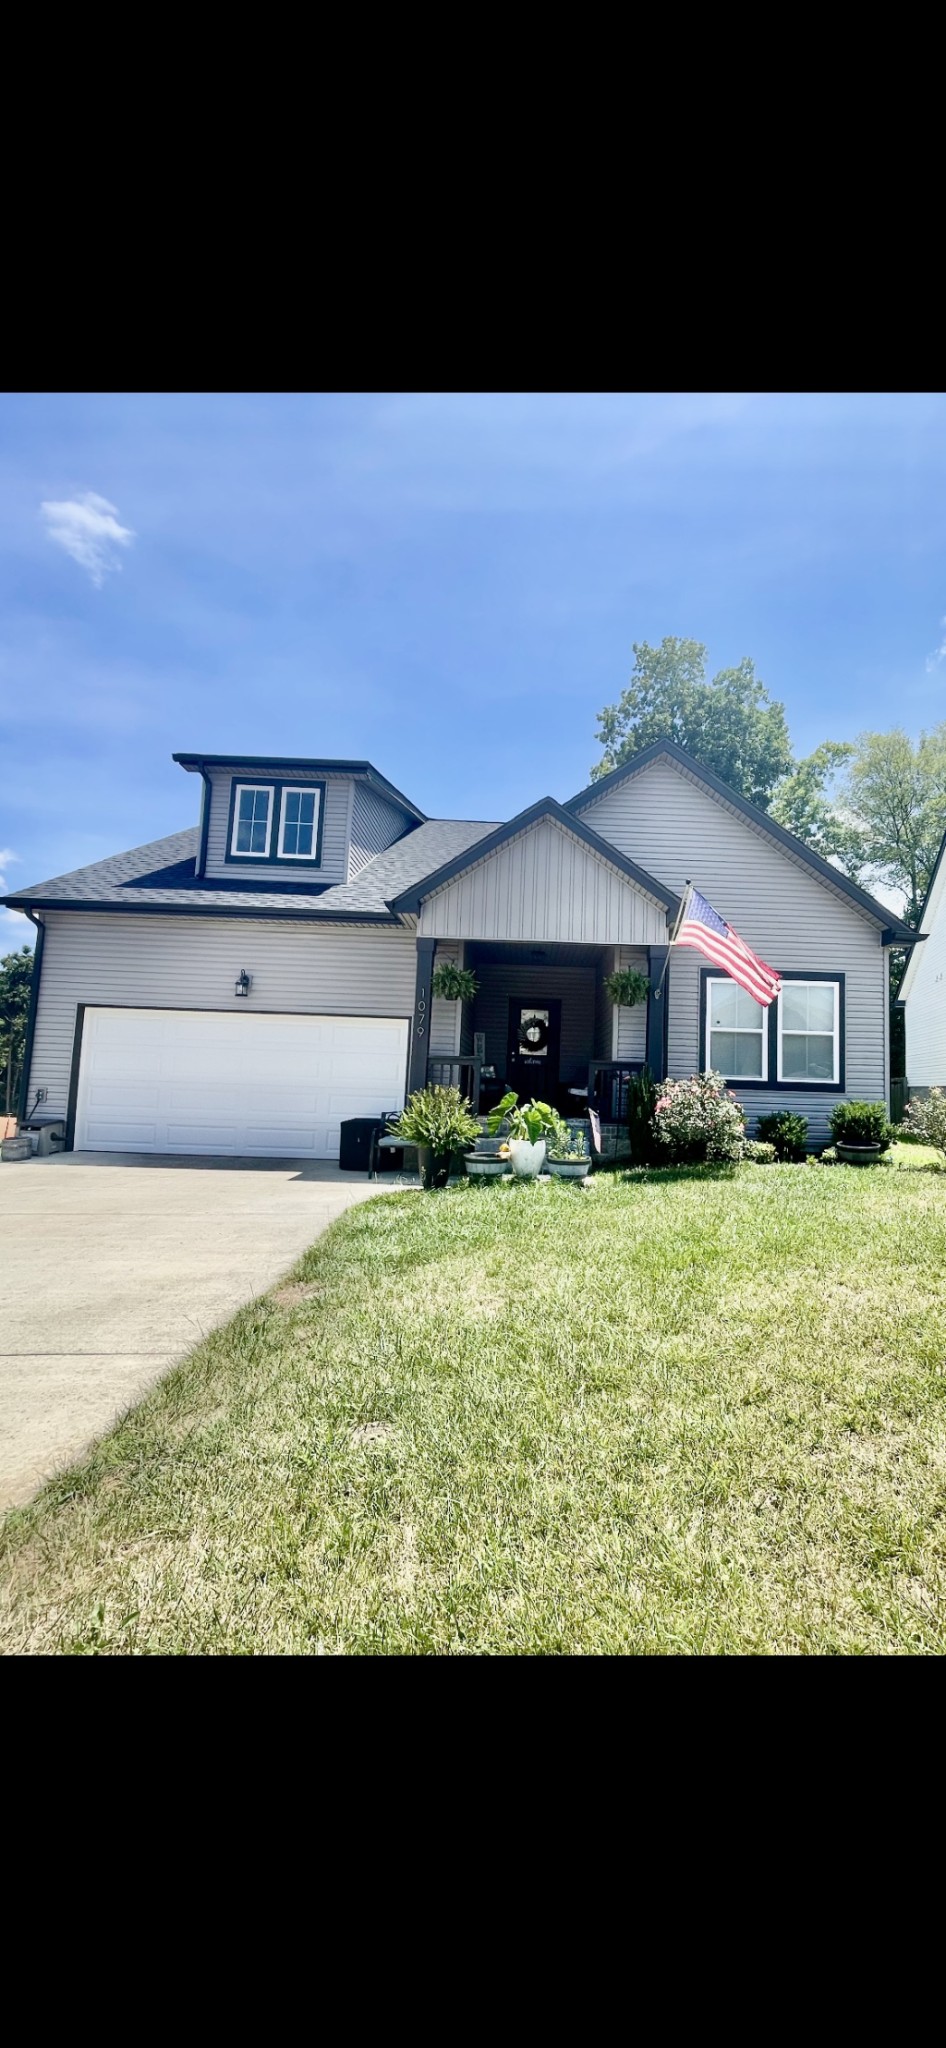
(858, 1155)
(16, 1148)
(486, 1166)
(570, 1169)
(526, 1160)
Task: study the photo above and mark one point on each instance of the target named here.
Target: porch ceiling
(496, 953)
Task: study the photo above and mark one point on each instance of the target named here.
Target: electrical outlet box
(42, 1094)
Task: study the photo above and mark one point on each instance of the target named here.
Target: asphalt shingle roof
(162, 873)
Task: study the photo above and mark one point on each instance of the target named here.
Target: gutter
(204, 821)
(31, 1015)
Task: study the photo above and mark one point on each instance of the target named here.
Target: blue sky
(447, 585)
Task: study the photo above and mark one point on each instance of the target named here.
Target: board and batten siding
(544, 885)
(336, 823)
(192, 962)
(678, 832)
(375, 825)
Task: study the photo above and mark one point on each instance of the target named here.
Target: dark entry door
(535, 1030)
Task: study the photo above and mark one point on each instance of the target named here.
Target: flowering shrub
(925, 1118)
(698, 1119)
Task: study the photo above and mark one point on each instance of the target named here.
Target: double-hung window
(809, 1038)
(736, 1034)
(252, 820)
(299, 824)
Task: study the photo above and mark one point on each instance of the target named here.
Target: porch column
(657, 1013)
(420, 1026)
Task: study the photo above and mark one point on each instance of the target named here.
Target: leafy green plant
(698, 1120)
(567, 1146)
(627, 987)
(642, 1093)
(787, 1131)
(440, 1118)
(860, 1123)
(759, 1153)
(531, 1120)
(454, 984)
(924, 1120)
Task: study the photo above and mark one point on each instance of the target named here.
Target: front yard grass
(667, 1413)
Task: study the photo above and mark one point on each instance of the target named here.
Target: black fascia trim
(902, 934)
(256, 863)
(205, 803)
(547, 807)
(24, 1101)
(301, 916)
(183, 877)
(272, 764)
(708, 974)
(891, 938)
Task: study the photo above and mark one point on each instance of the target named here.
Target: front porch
(541, 1023)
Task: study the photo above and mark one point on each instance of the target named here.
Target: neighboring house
(923, 990)
(335, 896)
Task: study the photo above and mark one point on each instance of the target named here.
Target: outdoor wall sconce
(243, 983)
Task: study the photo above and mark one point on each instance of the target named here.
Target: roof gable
(894, 930)
(411, 900)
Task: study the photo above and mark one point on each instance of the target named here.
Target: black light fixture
(241, 986)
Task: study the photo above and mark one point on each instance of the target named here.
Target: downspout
(204, 822)
(31, 1014)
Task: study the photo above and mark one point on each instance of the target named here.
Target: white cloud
(933, 660)
(6, 856)
(89, 529)
(13, 925)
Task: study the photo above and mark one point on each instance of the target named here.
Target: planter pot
(16, 1148)
(434, 1167)
(526, 1160)
(483, 1166)
(570, 1169)
(858, 1155)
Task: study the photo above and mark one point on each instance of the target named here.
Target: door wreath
(533, 1034)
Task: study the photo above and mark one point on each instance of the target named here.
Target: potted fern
(627, 987)
(454, 984)
(440, 1122)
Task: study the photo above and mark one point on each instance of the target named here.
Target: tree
(730, 723)
(16, 977)
(804, 802)
(896, 792)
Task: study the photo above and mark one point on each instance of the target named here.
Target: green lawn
(668, 1413)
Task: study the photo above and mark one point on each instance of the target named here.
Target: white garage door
(219, 1081)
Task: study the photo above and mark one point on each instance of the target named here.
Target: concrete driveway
(115, 1265)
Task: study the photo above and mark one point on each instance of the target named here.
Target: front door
(535, 1029)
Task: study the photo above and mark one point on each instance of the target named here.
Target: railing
(608, 1082)
(456, 1073)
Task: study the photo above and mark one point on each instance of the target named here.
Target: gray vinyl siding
(375, 825)
(191, 963)
(333, 866)
(679, 832)
(630, 1034)
(543, 884)
(926, 998)
(574, 986)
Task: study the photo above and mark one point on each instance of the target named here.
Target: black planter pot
(857, 1155)
(434, 1166)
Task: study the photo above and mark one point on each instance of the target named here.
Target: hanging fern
(626, 987)
(455, 984)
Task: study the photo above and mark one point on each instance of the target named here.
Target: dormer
(272, 822)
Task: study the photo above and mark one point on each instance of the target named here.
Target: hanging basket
(454, 984)
(627, 987)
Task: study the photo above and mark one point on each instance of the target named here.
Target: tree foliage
(16, 976)
(730, 722)
(896, 792)
(805, 803)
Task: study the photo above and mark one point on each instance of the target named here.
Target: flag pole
(681, 913)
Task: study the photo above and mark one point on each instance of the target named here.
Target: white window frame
(726, 980)
(800, 1080)
(259, 789)
(300, 789)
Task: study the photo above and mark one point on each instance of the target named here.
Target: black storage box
(354, 1151)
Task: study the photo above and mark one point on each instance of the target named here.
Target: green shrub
(642, 1093)
(924, 1120)
(440, 1118)
(787, 1131)
(860, 1123)
(759, 1154)
(698, 1120)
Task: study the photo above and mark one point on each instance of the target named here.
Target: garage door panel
(200, 1081)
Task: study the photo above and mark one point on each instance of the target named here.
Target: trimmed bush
(860, 1123)
(759, 1154)
(924, 1120)
(698, 1120)
(787, 1131)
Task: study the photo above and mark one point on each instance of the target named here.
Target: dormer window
(252, 821)
(299, 824)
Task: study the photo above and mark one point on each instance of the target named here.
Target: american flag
(701, 926)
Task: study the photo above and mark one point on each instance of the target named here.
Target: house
(923, 990)
(244, 986)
